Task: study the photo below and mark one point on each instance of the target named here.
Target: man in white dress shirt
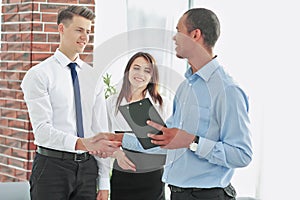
(62, 168)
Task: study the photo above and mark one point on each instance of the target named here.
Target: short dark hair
(205, 20)
(69, 12)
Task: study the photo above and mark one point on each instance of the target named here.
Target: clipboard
(136, 114)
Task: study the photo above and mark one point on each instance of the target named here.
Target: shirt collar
(205, 72)
(64, 60)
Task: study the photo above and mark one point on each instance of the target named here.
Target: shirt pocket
(196, 120)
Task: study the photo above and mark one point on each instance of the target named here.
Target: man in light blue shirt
(208, 133)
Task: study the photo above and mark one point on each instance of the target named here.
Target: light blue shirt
(211, 105)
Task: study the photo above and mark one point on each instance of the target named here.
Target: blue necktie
(77, 100)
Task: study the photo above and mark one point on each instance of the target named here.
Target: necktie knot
(72, 65)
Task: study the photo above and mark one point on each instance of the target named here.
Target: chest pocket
(196, 120)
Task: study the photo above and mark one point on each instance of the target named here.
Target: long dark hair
(152, 86)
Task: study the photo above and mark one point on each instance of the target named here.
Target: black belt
(63, 154)
(180, 189)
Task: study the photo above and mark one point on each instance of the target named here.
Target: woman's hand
(123, 161)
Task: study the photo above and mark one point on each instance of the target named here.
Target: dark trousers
(227, 193)
(61, 179)
(137, 186)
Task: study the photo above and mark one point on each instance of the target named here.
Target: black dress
(144, 184)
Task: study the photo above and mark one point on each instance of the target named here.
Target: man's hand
(172, 138)
(108, 136)
(100, 145)
(123, 161)
(102, 195)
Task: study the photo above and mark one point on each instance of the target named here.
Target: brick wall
(29, 35)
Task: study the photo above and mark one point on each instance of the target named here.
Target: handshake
(102, 144)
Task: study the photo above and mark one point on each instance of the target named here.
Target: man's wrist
(79, 145)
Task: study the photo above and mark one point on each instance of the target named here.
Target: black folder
(136, 114)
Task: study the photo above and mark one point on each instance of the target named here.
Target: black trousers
(137, 186)
(227, 193)
(60, 179)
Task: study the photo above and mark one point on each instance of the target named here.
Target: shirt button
(190, 84)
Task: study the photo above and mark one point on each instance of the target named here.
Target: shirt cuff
(205, 146)
(70, 142)
(104, 184)
(129, 141)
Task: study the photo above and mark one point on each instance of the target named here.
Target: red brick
(16, 163)
(18, 134)
(26, 17)
(47, 17)
(3, 65)
(54, 47)
(12, 1)
(12, 103)
(7, 178)
(50, 27)
(16, 124)
(86, 2)
(8, 113)
(20, 154)
(10, 28)
(14, 85)
(21, 174)
(5, 150)
(27, 66)
(22, 57)
(10, 9)
(2, 103)
(3, 159)
(7, 56)
(3, 122)
(23, 105)
(39, 37)
(5, 131)
(53, 37)
(22, 115)
(89, 48)
(3, 84)
(40, 56)
(31, 136)
(19, 95)
(11, 75)
(15, 47)
(3, 47)
(41, 47)
(15, 66)
(10, 17)
(50, 8)
(13, 143)
(32, 146)
(25, 7)
(37, 27)
(63, 1)
(26, 26)
(25, 37)
(3, 36)
(22, 74)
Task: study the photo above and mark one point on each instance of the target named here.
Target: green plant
(110, 89)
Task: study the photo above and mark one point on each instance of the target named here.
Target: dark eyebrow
(82, 28)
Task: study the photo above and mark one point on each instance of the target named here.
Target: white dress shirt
(49, 95)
